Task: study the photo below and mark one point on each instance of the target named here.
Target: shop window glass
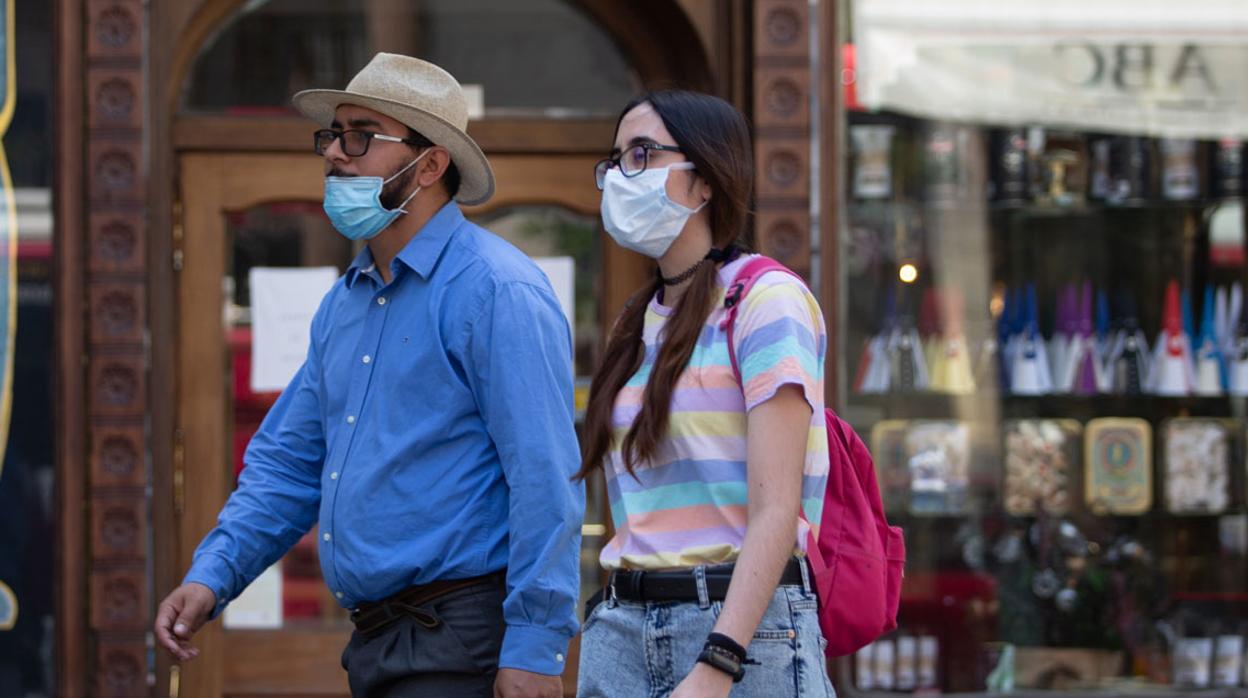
(519, 57)
(1044, 344)
(27, 479)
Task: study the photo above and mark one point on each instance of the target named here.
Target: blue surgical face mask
(353, 204)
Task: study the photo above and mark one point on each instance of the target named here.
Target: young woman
(711, 480)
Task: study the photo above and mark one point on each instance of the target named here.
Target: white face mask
(637, 213)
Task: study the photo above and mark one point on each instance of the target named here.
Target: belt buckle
(615, 600)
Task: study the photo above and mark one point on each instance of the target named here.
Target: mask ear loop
(415, 191)
(685, 166)
(407, 167)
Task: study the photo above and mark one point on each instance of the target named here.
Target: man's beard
(393, 193)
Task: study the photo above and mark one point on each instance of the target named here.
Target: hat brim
(476, 184)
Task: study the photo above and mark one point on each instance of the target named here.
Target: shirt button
(381, 301)
(333, 475)
(350, 419)
(326, 536)
(338, 594)
(558, 657)
(367, 358)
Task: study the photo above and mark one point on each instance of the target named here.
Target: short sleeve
(780, 340)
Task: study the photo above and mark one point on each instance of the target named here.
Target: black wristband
(724, 642)
(722, 660)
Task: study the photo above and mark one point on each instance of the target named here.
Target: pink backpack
(858, 559)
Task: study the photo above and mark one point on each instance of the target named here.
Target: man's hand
(180, 615)
(514, 683)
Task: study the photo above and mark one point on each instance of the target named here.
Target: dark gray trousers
(457, 657)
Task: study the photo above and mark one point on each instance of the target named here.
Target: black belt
(682, 585)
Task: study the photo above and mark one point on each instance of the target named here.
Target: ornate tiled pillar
(116, 328)
(782, 92)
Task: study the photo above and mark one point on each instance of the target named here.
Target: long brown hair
(714, 136)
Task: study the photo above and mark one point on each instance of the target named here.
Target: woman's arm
(776, 454)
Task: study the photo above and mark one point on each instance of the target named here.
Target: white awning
(1152, 67)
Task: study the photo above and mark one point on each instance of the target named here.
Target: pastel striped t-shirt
(688, 506)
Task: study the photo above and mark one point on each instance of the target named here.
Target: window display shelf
(1088, 208)
(935, 400)
(1112, 690)
(989, 406)
(1053, 400)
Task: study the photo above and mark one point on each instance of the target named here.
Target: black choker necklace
(683, 276)
(715, 255)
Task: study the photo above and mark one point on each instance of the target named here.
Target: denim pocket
(776, 624)
(771, 665)
(775, 635)
(805, 604)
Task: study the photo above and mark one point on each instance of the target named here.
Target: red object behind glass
(249, 407)
(849, 77)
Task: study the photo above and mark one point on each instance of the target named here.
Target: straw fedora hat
(418, 94)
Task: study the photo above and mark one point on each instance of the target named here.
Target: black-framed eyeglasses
(632, 162)
(354, 143)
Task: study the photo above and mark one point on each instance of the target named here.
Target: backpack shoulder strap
(745, 279)
(741, 285)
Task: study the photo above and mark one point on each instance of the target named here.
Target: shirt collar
(422, 252)
(362, 264)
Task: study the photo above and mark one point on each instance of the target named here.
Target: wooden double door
(241, 211)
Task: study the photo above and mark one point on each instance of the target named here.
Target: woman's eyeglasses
(632, 162)
(354, 143)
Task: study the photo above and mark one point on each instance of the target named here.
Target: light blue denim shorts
(634, 649)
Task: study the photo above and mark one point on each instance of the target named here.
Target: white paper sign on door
(283, 301)
(561, 272)
(260, 604)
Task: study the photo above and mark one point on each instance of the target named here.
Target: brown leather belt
(373, 616)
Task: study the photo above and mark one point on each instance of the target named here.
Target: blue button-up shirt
(432, 425)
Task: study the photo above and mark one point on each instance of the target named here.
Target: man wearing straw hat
(430, 429)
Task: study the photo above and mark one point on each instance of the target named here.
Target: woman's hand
(704, 681)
